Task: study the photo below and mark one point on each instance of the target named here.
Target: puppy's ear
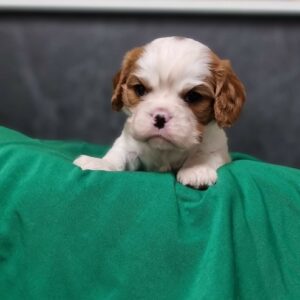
(116, 100)
(120, 78)
(229, 94)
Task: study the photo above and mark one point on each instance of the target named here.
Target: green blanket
(72, 234)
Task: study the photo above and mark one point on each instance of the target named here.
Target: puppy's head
(172, 88)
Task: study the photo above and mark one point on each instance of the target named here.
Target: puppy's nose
(159, 121)
(160, 118)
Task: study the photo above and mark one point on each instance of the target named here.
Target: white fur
(169, 66)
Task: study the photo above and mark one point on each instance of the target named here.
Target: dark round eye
(140, 90)
(192, 97)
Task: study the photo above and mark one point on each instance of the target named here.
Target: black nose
(159, 121)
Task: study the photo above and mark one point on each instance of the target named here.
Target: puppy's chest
(162, 161)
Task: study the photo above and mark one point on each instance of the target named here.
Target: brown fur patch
(120, 95)
(203, 109)
(130, 98)
(229, 92)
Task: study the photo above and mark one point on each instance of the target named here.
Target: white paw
(197, 176)
(92, 163)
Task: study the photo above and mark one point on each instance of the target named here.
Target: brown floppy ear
(116, 100)
(229, 94)
(120, 78)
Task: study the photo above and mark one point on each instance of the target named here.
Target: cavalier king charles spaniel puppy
(178, 96)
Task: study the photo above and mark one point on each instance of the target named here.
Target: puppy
(178, 96)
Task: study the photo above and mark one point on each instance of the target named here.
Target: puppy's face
(173, 87)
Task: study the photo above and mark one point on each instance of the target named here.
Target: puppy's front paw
(92, 163)
(199, 177)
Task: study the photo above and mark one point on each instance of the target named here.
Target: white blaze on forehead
(176, 62)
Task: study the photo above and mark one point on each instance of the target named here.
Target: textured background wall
(56, 70)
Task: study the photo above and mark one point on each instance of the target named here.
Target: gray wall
(56, 70)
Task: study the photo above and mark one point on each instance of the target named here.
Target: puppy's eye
(192, 97)
(140, 90)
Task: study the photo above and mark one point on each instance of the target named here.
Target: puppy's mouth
(159, 137)
(160, 141)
